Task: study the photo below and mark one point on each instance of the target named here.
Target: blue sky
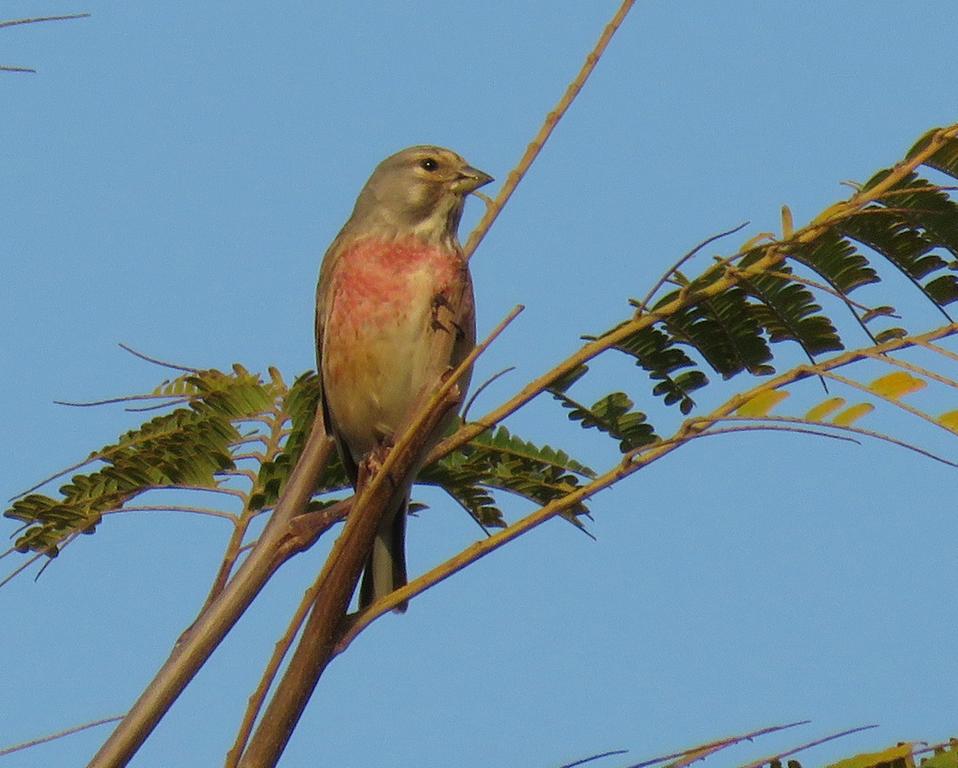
(172, 176)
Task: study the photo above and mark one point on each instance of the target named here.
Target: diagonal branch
(494, 207)
(58, 735)
(774, 255)
(196, 646)
(631, 463)
(336, 583)
(38, 19)
(807, 745)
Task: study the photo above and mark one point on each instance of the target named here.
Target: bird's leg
(368, 468)
(372, 464)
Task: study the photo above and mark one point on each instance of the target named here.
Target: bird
(395, 312)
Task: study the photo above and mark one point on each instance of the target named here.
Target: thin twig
(38, 19)
(552, 119)
(720, 743)
(918, 369)
(205, 511)
(155, 361)
(21, 568)
(938, 349)
(807, 745)
(470, 513)
(849, 428)
(159, 406)
(208, 489)
(642, 305)
(58, 735)
(823, 287)
(772, 428)
(896, 401)
(113, 400)
(258, 696)
(481, 387)
(599, 756)
(61, 545)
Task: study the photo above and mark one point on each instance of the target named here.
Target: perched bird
(394, 312)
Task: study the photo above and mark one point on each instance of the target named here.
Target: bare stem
(494, 207)
(155, 361)
(38, 19)
(258, 696)
(58, 735)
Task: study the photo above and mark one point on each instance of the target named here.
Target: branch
(207, 511)
(337, 581)
(38, 19)
(599, 756)
(494, 207)
(774, 255)
(192, 651)
(258, 696)
(161, 363)
(194, 648)
(690, 254)
(714, 746)
(58, 735)
(630, 464)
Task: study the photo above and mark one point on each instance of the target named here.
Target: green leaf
(188, 447)
(503, 461)
(725, 332)
(788, 312)
(945, 158)
(836, 261)
(613, 415)
(925, 207)
(654, 350)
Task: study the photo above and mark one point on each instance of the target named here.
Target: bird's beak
(470, 179)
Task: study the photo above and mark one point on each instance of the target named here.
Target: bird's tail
(385, 569)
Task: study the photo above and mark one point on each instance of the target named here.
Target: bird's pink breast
(375, 281)
(382, 346)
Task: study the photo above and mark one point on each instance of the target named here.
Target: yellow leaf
(900, 755)
(949, 420)
(824, 408)
(753, 241)
(833, 212)
(897, 384)
(762, 403)
(850, 415)
(788, 226)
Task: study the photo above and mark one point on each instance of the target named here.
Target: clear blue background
(171, 178)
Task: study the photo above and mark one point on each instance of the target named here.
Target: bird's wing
(323, 302)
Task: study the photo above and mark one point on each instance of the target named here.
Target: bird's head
(419, 191)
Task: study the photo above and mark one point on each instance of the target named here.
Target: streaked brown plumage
(394, 312)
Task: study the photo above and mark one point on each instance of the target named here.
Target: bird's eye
(429, 164)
